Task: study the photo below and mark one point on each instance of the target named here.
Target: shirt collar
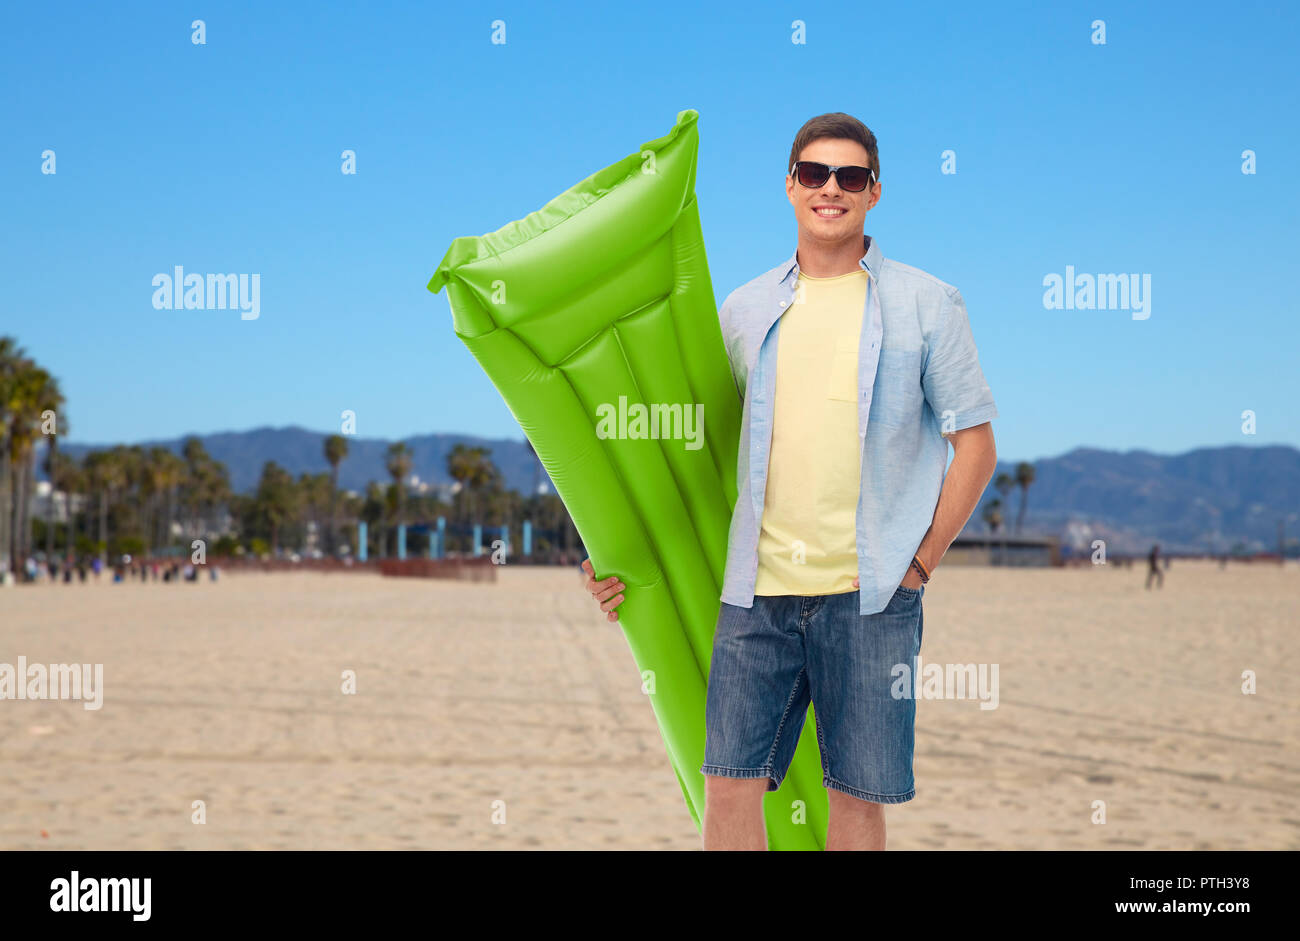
(871, 261)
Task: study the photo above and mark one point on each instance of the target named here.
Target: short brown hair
(836, 124)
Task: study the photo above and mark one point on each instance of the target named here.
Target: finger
(855, 583)
(594, 586)
(610, 592)
(612, 603)
(612, 616)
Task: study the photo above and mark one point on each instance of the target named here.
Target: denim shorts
(787, 651)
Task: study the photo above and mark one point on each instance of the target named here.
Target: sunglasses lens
(853, 179)
(813, 174)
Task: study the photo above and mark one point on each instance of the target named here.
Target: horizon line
(524, 441)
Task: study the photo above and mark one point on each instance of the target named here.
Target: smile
(830, 213)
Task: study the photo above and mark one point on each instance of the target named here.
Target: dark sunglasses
(814, 175)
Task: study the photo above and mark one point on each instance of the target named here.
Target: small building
(999, 549)
(38, 508)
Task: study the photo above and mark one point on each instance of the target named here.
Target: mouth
(829, 212)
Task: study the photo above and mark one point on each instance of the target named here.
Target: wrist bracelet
(920, 570)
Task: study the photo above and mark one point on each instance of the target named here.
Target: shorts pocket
(905, 598)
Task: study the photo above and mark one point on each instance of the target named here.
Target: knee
(847, 805)
(721, 793)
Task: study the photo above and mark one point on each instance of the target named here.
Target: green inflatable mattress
(595, 319)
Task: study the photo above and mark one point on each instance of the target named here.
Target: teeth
(829, 212)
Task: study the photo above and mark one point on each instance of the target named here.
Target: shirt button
(783, 303)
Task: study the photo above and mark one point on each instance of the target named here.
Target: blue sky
(225, 157)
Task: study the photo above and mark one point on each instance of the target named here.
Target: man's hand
(606, 592)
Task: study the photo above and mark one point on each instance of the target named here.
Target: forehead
(837, 151)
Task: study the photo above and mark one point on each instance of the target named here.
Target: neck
(821, 259)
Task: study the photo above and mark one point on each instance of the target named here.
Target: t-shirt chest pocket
(842, 384)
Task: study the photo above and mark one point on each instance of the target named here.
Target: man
(1153, 561)
(843, 506)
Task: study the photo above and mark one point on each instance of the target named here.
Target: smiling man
(856, 372)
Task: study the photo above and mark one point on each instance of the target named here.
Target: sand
(521, 692)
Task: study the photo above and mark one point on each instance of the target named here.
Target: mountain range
(1204, 499)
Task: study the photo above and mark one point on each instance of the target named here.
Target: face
(830, 213)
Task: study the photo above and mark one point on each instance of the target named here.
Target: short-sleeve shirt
(919, 378)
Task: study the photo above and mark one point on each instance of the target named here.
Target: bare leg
(733, 813)
(855, 824)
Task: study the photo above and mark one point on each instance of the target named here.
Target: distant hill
(1132, 498)
(298, 451)
(1224, 495)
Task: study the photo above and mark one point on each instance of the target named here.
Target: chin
(833, 230)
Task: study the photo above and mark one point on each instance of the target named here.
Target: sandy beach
(468, 694)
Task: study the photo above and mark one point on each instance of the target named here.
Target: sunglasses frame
(871, 175)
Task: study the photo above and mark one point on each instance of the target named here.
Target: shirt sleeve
(951, 376)
(724, 320)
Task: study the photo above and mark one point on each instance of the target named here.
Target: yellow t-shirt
(808, 541)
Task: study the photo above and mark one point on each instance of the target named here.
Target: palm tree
(65, 476)
(372, 512)
(12, 359)
(473, 470)
(1004, 483)
(1024, 477)
(275, 500)
(216, 485)
(171, 477)
(133, 513)
(336, 449)
(153, 486)
(54, 402)
(107, 476)
(992, 515)
(205, 485)
(314, 499)
(194, 484)
(351, 507)
(34, 392)
(399, 466)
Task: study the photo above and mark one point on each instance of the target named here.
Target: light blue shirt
(919, 378)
